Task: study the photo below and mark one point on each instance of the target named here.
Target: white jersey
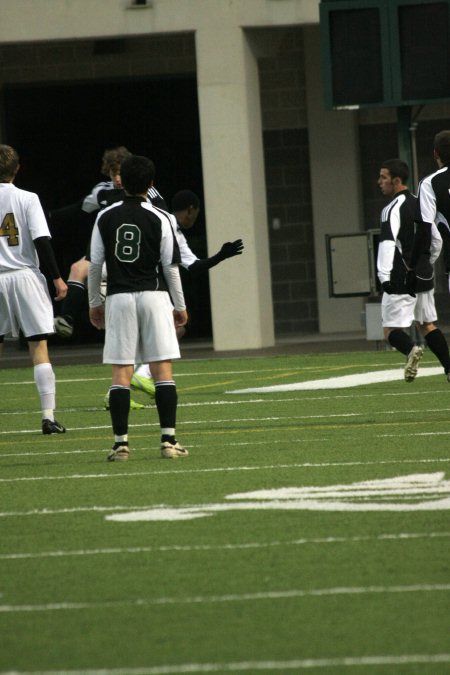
(22, 220)
(92, 202)
(186, 255)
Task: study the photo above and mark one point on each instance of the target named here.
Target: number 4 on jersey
(9, 230)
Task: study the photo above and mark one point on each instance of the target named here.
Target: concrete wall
(299, 172)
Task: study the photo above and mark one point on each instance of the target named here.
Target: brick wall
(286, 156)
(92, 59)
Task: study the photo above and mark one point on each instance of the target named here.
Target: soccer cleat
(52, 427)
(119, 453)
(146, 384)
(63, 326)
(172, 450)
(412, 363)
(134, 405)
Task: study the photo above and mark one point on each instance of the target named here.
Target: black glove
(387, 287)
(410, 283)
(231, 248)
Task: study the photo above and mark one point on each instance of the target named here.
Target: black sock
(401, 341)
(439, 346)
(119, 409)
(74, 301)
(166, 403)
(171, 439)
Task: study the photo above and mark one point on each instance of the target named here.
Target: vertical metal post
(404, 134)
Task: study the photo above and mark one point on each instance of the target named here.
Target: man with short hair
(134, 238)
(103, 194)
(24, 298)
(399, 308)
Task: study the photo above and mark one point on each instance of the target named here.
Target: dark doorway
(61, 132)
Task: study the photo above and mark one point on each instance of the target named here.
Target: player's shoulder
(20, 193)
(393, 206)
(441, 174)
(103, 214)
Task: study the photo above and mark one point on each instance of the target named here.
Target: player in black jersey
(434, 201)
(102, 195)
(399, 308)
(133, 238)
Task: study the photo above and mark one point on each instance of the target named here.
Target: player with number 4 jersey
(25, 303)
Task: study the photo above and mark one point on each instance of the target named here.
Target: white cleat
(170, 451)
(412, 363)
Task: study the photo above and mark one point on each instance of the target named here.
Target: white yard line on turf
(273, 418)
(386, 537)
(252, 666)
(291, 594)
(304, 465)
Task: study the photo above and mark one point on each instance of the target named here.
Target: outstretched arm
(228, 250)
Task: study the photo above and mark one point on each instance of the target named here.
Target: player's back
(135, 238)
(21, 221)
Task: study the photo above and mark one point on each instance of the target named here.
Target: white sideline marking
(234, 444)
(231, 597)
(273, 418)
(201, 404)
(218, 373)
(304, 465)
(401, 536)
(242, 666)
(338, 382)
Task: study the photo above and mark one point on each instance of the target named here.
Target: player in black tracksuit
(399, 307)
(434, 201)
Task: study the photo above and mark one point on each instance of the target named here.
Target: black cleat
(49, 427)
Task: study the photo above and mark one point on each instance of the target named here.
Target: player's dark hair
(183, 199)
(137, 174)
(113, 158)
(397, 168)
(442, 146)
(9, 163)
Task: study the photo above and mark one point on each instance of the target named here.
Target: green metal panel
(401, 78)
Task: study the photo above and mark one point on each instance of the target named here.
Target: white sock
(143, 370)
(44, 378)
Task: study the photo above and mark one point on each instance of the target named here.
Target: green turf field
(308, 530)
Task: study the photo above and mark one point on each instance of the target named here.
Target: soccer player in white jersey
(24, 298)
(134, 238)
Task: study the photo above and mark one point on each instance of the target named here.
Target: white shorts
(139, 328)
(400, 311)
(25, 303)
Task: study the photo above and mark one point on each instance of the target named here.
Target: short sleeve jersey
(132, 237)
(22, 220)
